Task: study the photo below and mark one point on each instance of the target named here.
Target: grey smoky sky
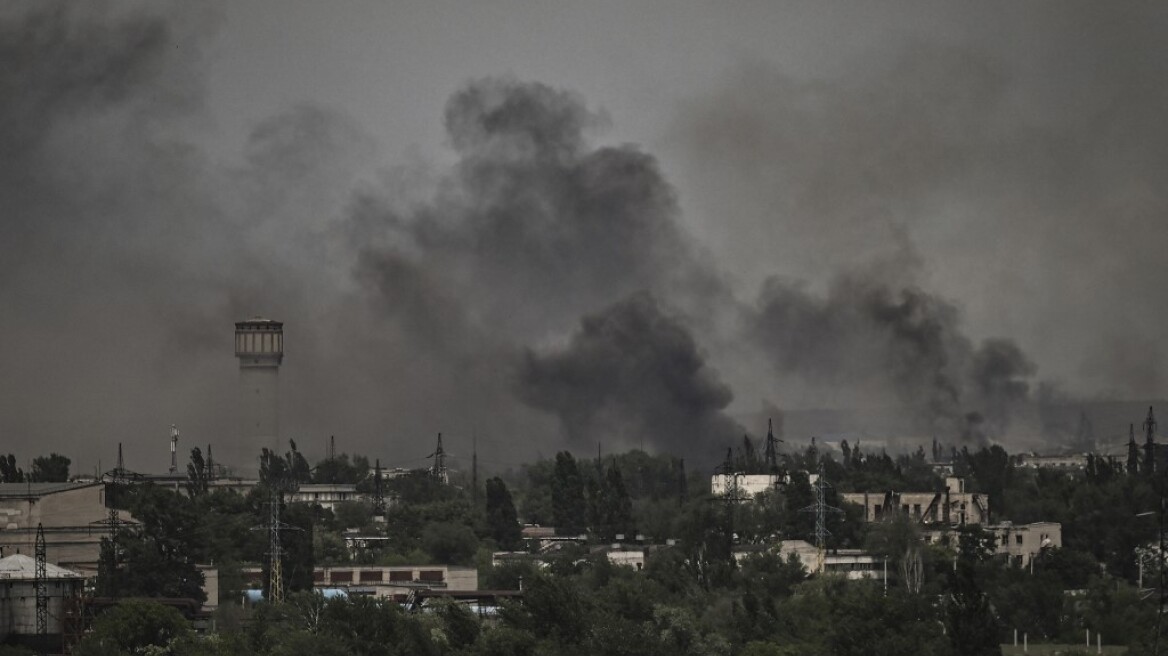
(552, 225)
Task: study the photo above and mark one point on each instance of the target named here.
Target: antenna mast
(173, 449)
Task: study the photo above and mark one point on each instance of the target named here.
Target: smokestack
(259, 345)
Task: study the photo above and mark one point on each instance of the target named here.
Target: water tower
(259, 345)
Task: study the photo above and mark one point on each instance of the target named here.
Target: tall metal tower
(116, 481)
(275, 547)
(771, 455)
(173, 449)
(259, 345)
(821, 509)
(378, 493)
(438, 469)
(42, 589)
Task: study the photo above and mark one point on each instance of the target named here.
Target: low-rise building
(1017, 543)
(852, 564)
(395, 581)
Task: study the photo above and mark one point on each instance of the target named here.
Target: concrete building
(18, 620)
(953, 505)
(743, 486)
(1018, 543)
(326, 495)
(73, 516)
(259, 345)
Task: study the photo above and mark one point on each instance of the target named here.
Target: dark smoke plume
(632, 372)
(868, 334)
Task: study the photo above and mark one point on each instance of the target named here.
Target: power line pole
(378, 494)
(275, 547)
(772, 449)
(438, 470)
(42, 592)
(821, 509)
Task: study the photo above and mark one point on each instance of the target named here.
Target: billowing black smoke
(531, 228)
(632, 372)
(869, 334)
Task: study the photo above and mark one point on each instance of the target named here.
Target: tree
(133, 626)
(502, 520)
(198, 474)
(569, 510)
(9, 472)
(969, 621)
(615, 509)
(158, 552)
(53, 468)
(450, 543)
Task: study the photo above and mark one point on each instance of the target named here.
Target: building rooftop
(21, 567)
(23, 490)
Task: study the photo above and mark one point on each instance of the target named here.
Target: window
(917, 509)
(401, 575)
(430, 575)
(1018, 539)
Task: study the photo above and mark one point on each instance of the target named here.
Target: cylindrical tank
(259, 345)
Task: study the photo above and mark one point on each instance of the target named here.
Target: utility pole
(42, 593)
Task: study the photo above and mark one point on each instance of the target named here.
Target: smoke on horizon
(544, 291)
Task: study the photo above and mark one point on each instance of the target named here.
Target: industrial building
(18, 602)
(953, 505)
(74, 515)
